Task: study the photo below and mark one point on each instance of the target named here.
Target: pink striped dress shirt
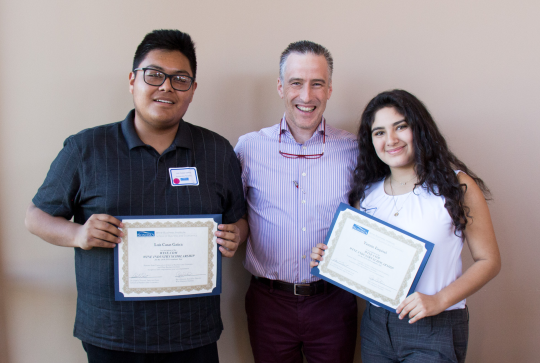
(291, 202)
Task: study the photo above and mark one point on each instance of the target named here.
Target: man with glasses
(123, 169)
(295, 174)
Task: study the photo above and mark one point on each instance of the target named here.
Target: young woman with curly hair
(407, 176)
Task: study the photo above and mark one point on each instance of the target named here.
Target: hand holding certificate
(167, 257)
(371, 258)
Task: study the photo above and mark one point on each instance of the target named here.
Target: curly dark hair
(434, 162)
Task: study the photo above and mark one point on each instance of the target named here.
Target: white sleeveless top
(424, 215)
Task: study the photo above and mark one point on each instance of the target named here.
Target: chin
(164, 122)
(403, 165)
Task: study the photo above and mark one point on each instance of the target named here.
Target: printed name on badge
(183, 176)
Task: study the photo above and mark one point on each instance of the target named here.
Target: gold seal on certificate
(166, 257)
(371, 258)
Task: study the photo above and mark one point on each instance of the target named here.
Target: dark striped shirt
(108, 169)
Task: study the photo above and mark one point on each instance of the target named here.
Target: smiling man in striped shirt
(295, 174)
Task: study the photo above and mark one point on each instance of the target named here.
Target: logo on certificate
(146, 233)
(183, 176)
(363, 230)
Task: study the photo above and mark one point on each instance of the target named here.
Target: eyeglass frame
(298, 156)
(167, 76)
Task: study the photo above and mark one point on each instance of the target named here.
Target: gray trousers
(440, 338)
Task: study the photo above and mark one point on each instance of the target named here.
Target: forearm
(479, 274)
(55, 230)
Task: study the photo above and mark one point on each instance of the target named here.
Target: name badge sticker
(183, 176)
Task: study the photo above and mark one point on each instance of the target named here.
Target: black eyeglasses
(153, 77)
(296, 156)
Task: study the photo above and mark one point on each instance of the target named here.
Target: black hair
(434, 162)
(304, 47)
(167, 39)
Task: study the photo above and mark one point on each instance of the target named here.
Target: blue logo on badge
(360, 229)
(146, 234)
(184, 179)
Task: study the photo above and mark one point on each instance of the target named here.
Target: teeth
(306, 109)
(164, 101)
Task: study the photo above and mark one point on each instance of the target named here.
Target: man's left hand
(228, 236)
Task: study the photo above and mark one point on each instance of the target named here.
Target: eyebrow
(394, 124)
(312, 80)
(161, 69)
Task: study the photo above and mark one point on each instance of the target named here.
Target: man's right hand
(100, 230)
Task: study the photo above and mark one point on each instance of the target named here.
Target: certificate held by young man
(371, 258)
(167, 257)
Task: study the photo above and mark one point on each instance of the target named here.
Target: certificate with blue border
(371, 258)
(167, 257)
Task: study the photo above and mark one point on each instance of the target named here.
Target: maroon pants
(282, 325)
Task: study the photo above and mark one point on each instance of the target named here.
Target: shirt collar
(285, 127)
(182, 138)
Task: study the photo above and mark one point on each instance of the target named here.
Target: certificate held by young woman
(371, 258)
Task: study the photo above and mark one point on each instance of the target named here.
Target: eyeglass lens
(156, 78)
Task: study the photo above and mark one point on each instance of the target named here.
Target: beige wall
(65, 64)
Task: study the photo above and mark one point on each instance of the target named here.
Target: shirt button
(303, 147)
(303, 174)
(304, 280)
(303, 202)
(303, 229)
(303, 256)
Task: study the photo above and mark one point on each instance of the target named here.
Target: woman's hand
(419, 306)
(317, 254)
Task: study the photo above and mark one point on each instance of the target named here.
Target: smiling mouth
(396, 150)
(306, 109)
(164, 101)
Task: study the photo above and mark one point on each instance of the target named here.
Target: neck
(400, 181)
(301, 135)
(159, 139)
(402, 174)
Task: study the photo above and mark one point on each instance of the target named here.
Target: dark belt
(317, 287)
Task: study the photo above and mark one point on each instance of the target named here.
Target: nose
(167, 85)
(391, 138)
(306, 93)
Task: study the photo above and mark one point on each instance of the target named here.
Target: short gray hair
(304, 47)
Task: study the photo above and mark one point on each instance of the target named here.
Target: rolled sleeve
(58, 193)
